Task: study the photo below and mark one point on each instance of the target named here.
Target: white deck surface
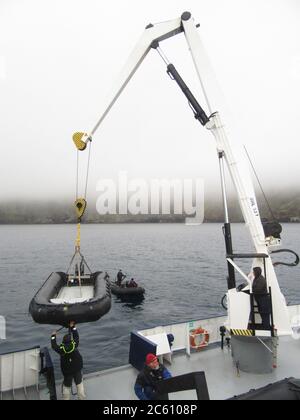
(222, 379)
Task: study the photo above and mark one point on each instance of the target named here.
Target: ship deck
(20, 379)
(222, 377)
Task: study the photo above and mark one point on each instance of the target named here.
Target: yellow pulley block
(80, 140)
(80, 206)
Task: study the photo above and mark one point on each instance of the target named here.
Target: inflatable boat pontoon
(64, 298)
(127, 292)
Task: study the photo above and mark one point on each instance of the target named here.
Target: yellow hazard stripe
(246, 333)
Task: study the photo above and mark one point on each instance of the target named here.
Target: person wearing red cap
(145, 385)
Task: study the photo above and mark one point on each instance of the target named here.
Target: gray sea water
(182, 268)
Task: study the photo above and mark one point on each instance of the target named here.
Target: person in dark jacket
(131, 283)
(260, 292)
(120, 277)
(145, 385)
(70, 361)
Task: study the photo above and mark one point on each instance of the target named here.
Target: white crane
(239, 303)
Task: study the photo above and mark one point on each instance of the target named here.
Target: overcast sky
(59, 58)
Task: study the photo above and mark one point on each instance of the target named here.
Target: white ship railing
(19, 370)
(181, 332)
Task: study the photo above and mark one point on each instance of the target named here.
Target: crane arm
(151, 37)
(238, 170)
(152, 34)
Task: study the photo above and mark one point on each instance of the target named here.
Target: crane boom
(239, 303)
(158, 32)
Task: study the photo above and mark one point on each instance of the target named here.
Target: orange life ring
(199, 338)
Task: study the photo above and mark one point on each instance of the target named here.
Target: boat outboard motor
(272, 229)
(286, 390)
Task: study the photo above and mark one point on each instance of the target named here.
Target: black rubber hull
(130, 292)
(45, 312)
(285, 390)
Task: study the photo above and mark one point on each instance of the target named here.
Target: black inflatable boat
(127, 292)
(64, 298)
(285, 390)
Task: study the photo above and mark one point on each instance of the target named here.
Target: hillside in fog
(285, 207)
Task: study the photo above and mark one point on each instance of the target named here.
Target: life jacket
(71, 350)
(152, 376)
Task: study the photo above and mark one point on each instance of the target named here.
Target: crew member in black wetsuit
(70, 361)
(120, 277)
(260, 292)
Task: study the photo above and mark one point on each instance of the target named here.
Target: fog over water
(59, 59)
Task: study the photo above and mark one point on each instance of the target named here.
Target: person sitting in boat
(153, 372)
(131, 283)
(120, 278)
(70, 361)
(260, 292)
